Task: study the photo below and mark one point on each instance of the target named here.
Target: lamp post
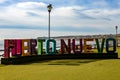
(116, 27)
(49, 7)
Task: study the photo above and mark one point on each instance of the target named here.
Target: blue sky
(29, 18)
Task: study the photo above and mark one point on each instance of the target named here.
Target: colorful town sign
(29, 47)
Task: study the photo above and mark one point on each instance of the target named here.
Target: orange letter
(87, 48)
(25, 47)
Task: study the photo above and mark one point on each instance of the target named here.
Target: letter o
(53, 51)
(107, 45)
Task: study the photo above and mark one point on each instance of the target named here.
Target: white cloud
(100, 3)
(2, 1)
(96, 13)
(17, 14)
(35, 14)
(30, 5)
(66, 11)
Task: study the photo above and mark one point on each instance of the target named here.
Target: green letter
(40, 46)
(100, 49)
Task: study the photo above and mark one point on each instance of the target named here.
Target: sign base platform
(28, 59)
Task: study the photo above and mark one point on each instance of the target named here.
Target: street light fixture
(49, 7)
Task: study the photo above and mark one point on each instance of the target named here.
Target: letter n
(65, 48)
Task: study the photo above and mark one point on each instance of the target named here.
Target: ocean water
(1, 48)
(1, 44)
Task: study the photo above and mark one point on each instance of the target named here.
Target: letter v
(100, 49)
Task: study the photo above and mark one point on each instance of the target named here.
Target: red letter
(65, 48)
(18, 47)
(6, 49)
(9, 47)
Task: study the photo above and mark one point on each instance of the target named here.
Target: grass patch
(77, 69)
(83, 69)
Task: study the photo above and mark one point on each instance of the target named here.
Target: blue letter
(51, 50)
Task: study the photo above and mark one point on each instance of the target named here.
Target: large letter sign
(30, 47)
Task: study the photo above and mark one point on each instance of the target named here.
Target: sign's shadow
(68, 62)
